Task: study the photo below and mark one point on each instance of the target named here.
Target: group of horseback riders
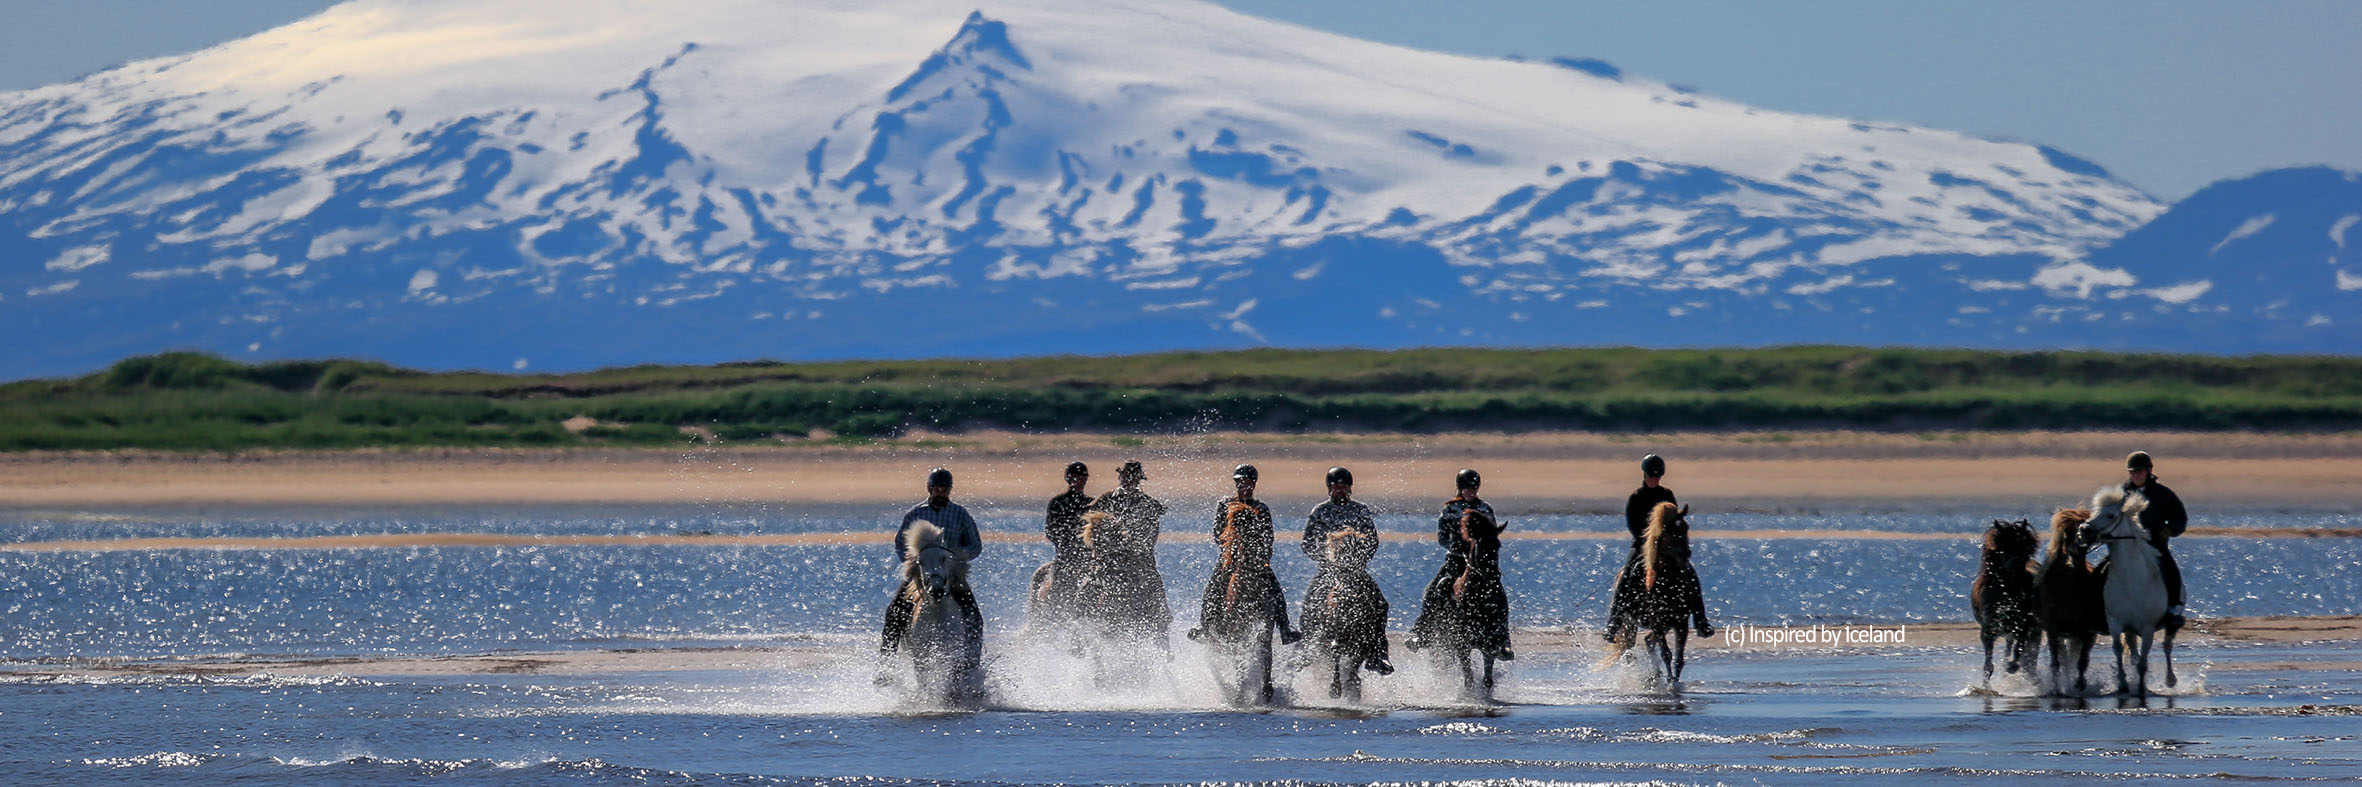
(1104, 562)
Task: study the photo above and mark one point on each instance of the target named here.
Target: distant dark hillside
(197, 402)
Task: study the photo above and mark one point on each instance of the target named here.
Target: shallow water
(314, 602)
(1745, 716)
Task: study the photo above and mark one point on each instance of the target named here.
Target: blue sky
(2168, 94)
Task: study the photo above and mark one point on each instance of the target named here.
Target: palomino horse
(1475, 619)
(1344, 612)
(2133, 586)
(2068, 600)
(1668, 584)
(1242, 607)
(2003, 595)
(938, 635)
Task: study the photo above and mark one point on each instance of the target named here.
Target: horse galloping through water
(2132, 584)
(2002, 596)
(1242, 609)
(2068, 600)
(1475, 621)
(1345, 613)
(1668, 586)
(937, 637)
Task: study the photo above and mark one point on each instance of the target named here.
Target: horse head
(1226, 540)
(2011, 540)
(2115, 513)
(1101, 530)
(1349, 549)
(933, 566)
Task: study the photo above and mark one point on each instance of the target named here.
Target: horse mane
(1227, 538)
(1093, 521)
(1659, 519)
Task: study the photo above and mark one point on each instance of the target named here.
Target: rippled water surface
(2246, 710)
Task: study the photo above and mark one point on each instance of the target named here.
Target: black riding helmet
(1339, 475)
(1077, 468)
(2139, 460)
(939, 477)
(1244, 473)
(1652, 465)
(1468, 479)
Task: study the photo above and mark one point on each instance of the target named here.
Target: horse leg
(2143, 665)
(2117, 639)
(1680, 652)
(1467, 675)
(2169, 633)
(2083, 665)
(1985, 635)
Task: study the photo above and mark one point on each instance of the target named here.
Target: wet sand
(822, 653)
(1525, 473)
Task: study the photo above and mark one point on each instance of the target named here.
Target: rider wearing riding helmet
(1342, 513)
(1620, 616)
(1455, 558)
(1255, 552)
(959, 533)
(1062, 524)
(2164, 518)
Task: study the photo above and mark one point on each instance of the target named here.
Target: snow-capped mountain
(568, 183)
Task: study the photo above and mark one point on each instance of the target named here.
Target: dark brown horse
(1668, 586)
(2069, 600)
(1242, 607)
(1345, 613)
(1475, 620)
(2002, 596)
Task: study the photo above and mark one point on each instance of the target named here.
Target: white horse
(2134, 589)
(938, 634)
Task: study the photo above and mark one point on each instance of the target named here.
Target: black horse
(1668, 592)
(2002, 596)
(1474, 619)
(2069, 600)
(1345, 613)
(1243, 607)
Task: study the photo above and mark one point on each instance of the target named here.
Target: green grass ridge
(197, 402)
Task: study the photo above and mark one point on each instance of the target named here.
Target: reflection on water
(469, 599)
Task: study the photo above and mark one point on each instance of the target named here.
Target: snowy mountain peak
(318, 188)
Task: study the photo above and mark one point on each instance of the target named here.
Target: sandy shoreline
(821, 654)
(1525, 473)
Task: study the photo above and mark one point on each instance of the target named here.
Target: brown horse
(1243, 607)
(1668, 585)
(1475, 620)
(2002, 596)
(2069, 600)
(1345, 613)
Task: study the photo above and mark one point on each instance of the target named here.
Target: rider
(1063, 526)
(959, 532)
(1255, 557)
(1455, 559)
(1130, 560)
(2164, 519)
(1342, 513)
(1621, 615)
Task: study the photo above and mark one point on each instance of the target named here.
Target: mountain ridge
(595, 187)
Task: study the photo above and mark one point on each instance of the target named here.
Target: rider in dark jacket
(1062, 524)
(1620, 616)
(1254, 556)
(1455, 559)
(2165, 519)
(1342, 513)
